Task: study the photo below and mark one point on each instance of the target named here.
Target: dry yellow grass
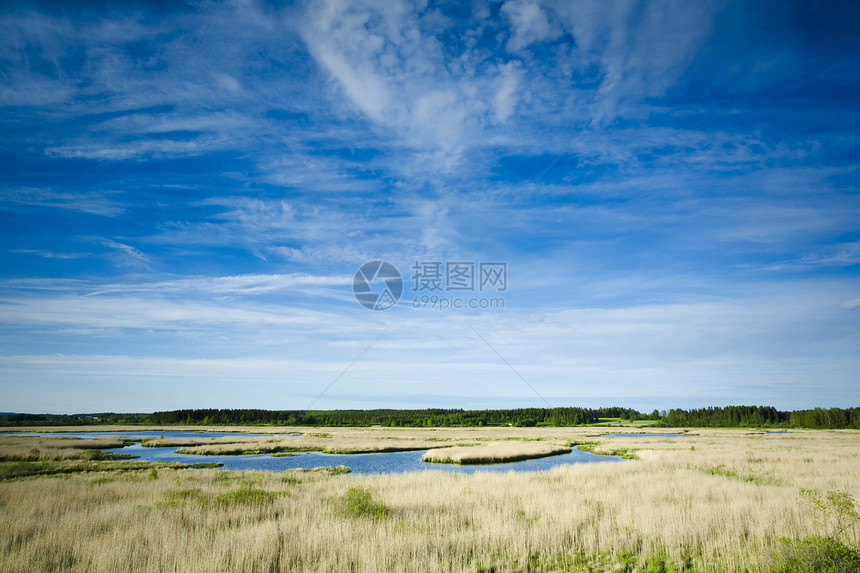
(342, 444)
(720, 507)
(53, 447)
(353, 440)
(496, 452)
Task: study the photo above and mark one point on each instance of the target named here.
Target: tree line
(431, 417)
(717, 417)
(762, 416)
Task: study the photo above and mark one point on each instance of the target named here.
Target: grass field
(719, 501)
(494, 452)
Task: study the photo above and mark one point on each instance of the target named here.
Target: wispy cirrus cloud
(237, 285)
(842, 254)
(729, 349)
(126, 255)
(51, 254)
(93, 202)
(232, 285)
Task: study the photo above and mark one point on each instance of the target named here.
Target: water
(387, 462)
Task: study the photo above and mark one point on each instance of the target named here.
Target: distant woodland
(718, 417)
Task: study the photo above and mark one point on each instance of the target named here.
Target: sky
(644, 204)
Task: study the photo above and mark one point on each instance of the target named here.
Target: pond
(387, 462)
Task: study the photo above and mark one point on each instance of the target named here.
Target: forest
(716, 417)
(432, 417)
(762, 416)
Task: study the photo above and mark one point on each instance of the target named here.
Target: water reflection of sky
(387, 462)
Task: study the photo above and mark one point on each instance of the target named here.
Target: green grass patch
(243, 497)
(228, 478)
(247, 496)
(36, 455)
(656, 562)
(359, 502)
(187, 494)
(730, 473)
(332, 471)
(591, 447)
(815, 555)
(92, 454)
(27, 469)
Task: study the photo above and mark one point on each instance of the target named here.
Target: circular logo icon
(377, 285)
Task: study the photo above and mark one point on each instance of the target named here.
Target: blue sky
(188, 189)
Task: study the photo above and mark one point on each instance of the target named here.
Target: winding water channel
(387, 462)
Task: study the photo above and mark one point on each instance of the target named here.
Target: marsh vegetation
(725, 500)
(498, 452)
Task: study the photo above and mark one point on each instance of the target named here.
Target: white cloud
(94, 202)
(742, 349)
(641, 48)
(144, 149)
(300, 230)
(326, 254)
(843, 254)
(233, 285)
(505, 98)
(50, 254)
(401, 76)
(169, 290)
(228, 82)
(530, 23)
(156, 312)
(126, 255)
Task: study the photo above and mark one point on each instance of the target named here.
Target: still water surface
(388, 462)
